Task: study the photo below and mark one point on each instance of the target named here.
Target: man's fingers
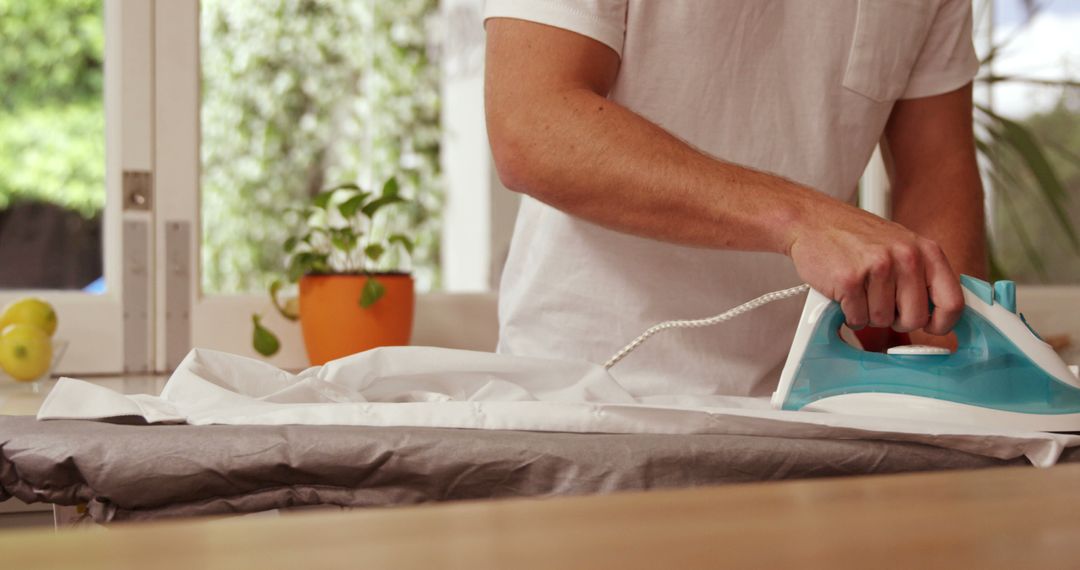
(911, 295)
(853, 303)
(945, 292)
(881, 293)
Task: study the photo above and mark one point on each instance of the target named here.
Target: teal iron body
(1002, 375)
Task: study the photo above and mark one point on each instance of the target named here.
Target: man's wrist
(791, 217)
(788, 222)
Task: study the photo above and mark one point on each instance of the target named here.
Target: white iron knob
(918, 350)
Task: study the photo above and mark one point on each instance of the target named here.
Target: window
(266, 103)
(1028, 125)
(52, 130)
(301, 96)
(70, 126)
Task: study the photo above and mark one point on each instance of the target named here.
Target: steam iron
(1002, 375)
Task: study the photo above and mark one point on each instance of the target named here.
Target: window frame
(94, 325)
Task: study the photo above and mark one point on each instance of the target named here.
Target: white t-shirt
(799, 88)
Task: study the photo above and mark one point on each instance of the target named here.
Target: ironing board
(126, 472)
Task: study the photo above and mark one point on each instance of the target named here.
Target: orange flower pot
(335, 325)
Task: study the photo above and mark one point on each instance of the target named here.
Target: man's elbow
(509, 151)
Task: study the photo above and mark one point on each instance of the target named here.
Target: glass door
(74, 118)
(265, 104)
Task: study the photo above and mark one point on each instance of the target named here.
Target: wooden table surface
(1007, 518)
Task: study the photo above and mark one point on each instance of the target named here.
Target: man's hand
(936, 188)
(881, 273)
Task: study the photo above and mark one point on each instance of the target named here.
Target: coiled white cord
(695, 323)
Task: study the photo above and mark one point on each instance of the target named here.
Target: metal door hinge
(138, 349)
(177, 292)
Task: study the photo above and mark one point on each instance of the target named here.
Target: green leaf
(319, 263)
(1017, 137)
(403, 240)
(1033, 253)
(349, 207)
(1065, 153)
(374, 251)
(1006, 183)
(343, 239)
(263, 341)
(377, 204)
(290, 244)
(372, 292)
(322, 199)
(305, 262)
(295, 271)
(391, 187)
(1020, 139)
(283, 309)
(346, 186)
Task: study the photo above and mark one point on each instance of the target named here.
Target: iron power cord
(696, 323)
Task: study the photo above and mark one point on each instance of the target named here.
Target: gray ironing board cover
(127, 472)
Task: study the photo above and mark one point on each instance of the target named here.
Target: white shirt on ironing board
(798, 88)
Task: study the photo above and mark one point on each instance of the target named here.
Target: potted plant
(346, 259)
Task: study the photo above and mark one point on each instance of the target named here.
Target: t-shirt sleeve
(601, 20)
(947, 60)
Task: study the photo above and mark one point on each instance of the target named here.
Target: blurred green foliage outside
(1021, 222)
(300, 95)
(297, 95)
(52, 122)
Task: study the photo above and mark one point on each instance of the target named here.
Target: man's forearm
(599, 161)
(937, 190)
(945, 204)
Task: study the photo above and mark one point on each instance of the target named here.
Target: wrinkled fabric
(446, 388)
(146, 472)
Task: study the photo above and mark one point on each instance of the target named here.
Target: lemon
(30, 311)
(25, 352)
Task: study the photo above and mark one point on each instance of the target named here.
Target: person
(680, 157)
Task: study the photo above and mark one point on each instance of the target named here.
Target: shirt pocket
(888, 37)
